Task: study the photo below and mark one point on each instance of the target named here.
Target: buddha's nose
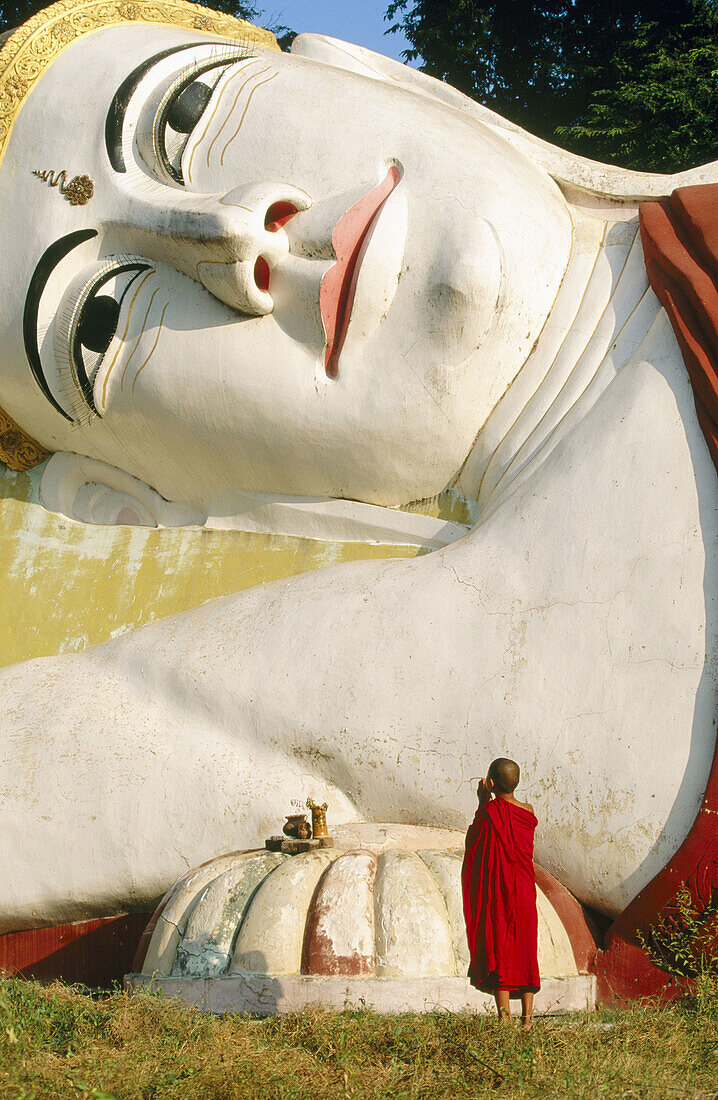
(230, 243)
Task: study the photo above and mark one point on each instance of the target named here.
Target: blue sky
(359, 21)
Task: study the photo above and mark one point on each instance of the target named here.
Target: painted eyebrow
(48, 262)
(116, 114)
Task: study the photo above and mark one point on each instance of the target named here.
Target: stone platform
(268, 996)
(376, 921)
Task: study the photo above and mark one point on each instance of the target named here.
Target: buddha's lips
(336, 294)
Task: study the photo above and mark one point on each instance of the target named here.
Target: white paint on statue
(197, 399)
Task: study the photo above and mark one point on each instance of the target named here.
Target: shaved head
(505, 775)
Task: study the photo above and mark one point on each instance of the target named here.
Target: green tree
(632, 82)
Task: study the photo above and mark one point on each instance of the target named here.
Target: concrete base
(267, 996)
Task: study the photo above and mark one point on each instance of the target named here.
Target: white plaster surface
(208, 940)
(180, 900)
(269, 996)
(386, 836)
(271, 936)
(345, 909)
(597, 185)
(413, 934)
(443, 867)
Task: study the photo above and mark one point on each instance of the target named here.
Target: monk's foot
(526, 1024)
(504, 1016)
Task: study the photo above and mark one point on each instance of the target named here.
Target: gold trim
(18, 450)
(29, 52)
(78, 191)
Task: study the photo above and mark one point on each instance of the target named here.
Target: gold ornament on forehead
(78, 191)
(27, 54)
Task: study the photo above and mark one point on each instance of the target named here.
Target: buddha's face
(290, 278)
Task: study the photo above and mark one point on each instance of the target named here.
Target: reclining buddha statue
(319, 296)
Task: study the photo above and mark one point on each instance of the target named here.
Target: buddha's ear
(601, 188)
(90, 491)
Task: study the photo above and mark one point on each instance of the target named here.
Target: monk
(499, 888)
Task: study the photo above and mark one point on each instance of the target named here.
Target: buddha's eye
(181, 110)
(189, 106)
(87, 326)
(98, 323)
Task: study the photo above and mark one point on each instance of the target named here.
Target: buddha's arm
(380, 687)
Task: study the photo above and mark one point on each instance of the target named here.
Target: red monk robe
(499, 888)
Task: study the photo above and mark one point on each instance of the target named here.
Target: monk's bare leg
(502, 1005)
(527, 1010)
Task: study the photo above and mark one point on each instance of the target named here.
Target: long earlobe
(90, 491)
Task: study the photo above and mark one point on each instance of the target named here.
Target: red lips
(350, 237)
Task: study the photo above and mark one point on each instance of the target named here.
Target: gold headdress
(32, 48)
(18, 450)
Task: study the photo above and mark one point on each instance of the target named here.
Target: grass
(58, 1041)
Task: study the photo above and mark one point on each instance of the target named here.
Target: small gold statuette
(319, 819)
(78, 191)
